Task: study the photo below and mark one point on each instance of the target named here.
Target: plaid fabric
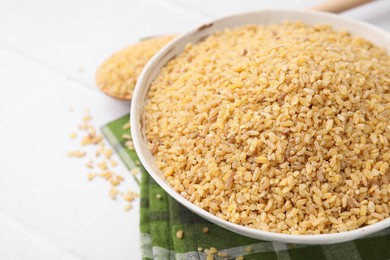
(162, 218)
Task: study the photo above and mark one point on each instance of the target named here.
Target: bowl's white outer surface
(264, 17)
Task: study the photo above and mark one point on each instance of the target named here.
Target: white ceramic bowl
(265, 17)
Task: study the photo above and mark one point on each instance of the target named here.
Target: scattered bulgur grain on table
(126, 136)
(129, 144)
(91, 176)
(87, 118)
(135, 171)
(128, 207)
(113, 193)
(89, 164)
(222, 254)
(129, 196)
(73, 136)
(76, 153)
(91, 137)
(213, 250)
(210, 257)
(126, 126)
(103, 165)
(114, 181)
(180, 234)
(108, 153)
(113, 163)
(248, 249)
(106, 175)
(283, 128)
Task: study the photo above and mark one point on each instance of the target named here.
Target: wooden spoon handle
(338, 6)
(332, 6)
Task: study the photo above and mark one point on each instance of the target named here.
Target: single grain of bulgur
(180, 234)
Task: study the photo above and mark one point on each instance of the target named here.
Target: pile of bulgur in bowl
(281, 127)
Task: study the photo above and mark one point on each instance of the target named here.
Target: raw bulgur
(180, 234)
(283, 128)
(103, 170)
(118, 75)
(205, 230)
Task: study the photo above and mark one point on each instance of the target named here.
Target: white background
(49, 51)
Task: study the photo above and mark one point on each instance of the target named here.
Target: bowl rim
(141, 150)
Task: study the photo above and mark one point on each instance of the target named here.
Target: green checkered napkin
(162, 217)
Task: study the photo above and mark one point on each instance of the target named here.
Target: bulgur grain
(76, 153)
(205, 230)
(180, 234)
(103, 170)
(108, 153)
(222, 254)
(296, 125)
(91, 176)
(87, 118)
(89, 164)
(210, 257)
(129, 196)
(126, 136)
(126, 126)
(114, 180)
(213, 250)
(113, 163)
(248, 249)
(135, 171)
(129, 144)
(103, 165)
(113, 192)
(128, 207)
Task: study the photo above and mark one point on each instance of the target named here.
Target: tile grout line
(41, 238)
(115, 30)
(66, 74)
(31, 231)
(188, 9)
(87, 223)
(183, 7)
(33, 61)
(143, 7)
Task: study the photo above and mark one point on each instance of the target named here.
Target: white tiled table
(48, 209)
